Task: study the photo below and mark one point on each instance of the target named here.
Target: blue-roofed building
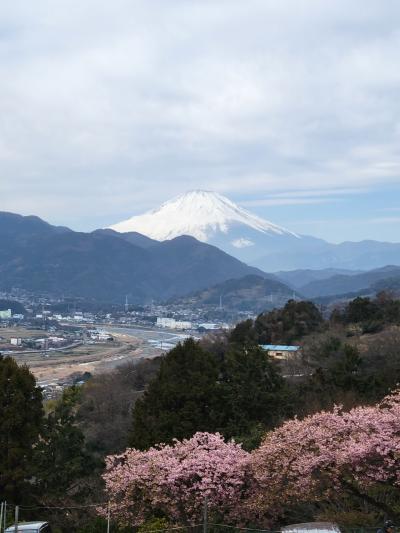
(280, 351)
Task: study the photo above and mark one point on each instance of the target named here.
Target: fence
(14, 513)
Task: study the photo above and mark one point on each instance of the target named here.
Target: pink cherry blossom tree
(324, 457)
(329, 454)
(174, 480)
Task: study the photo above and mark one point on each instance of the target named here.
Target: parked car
(30, 527)
(312, 527)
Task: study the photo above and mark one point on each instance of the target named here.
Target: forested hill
(251, 292)
(101, 265)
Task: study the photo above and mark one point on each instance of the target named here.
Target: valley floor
(53, 369)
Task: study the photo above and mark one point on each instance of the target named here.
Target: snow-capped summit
(216, 220)
(203, 215)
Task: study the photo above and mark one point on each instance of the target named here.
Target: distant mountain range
(330, 285)
(256, 294)
(249, 293)
(105, 265)
(213, 218)
(300, 278)
(340, 284)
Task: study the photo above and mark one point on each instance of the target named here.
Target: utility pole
(5, 516)
(108, 518)
(16, 518)
(1, 516)
(205, 516)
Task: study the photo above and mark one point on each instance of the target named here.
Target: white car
(312, 527)
(30, 527)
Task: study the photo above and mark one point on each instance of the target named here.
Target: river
(153, 340)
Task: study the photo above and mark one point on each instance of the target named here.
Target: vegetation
(172, 481)
(61, 460)
(182, 399)
(370, 315)
(281, 326)
(21, 418)
(196, 391)
(104, 405)
(197, 398)
(330, 456)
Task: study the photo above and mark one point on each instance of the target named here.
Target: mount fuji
(201, 214)
(214, 219)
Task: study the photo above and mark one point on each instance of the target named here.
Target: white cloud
(242, 243)
(113, 107)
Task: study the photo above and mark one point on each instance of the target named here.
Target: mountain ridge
(344, 284)
(216, 220)
(42, 258)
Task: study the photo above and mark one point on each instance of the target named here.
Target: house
(280, 351)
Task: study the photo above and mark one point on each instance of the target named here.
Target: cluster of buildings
(42, 310)
(99, 335)
(40, 343)
(172, 323)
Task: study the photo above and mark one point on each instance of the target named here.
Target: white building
(171, 323)
(100, 335)
(183, 324)
(5, 314)
(56, 340)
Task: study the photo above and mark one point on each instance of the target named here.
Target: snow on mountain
(203, 215)
(213, 218)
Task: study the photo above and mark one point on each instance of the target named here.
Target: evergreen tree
(256, 396)
(21, 418)
(363, 310)
(244, 333)
(280, 326)
(61, 459)
(182, 399)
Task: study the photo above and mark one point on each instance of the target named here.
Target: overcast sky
(289, 107)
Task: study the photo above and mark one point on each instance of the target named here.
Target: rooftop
(279, 348)
(23, 526)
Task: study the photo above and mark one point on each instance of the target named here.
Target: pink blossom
(306, 460)
(175, 479)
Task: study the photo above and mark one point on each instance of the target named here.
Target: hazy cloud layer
(108, 108)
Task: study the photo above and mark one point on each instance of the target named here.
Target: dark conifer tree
(182, 399)
(61, 458)
(21, 418)
(254, 392)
